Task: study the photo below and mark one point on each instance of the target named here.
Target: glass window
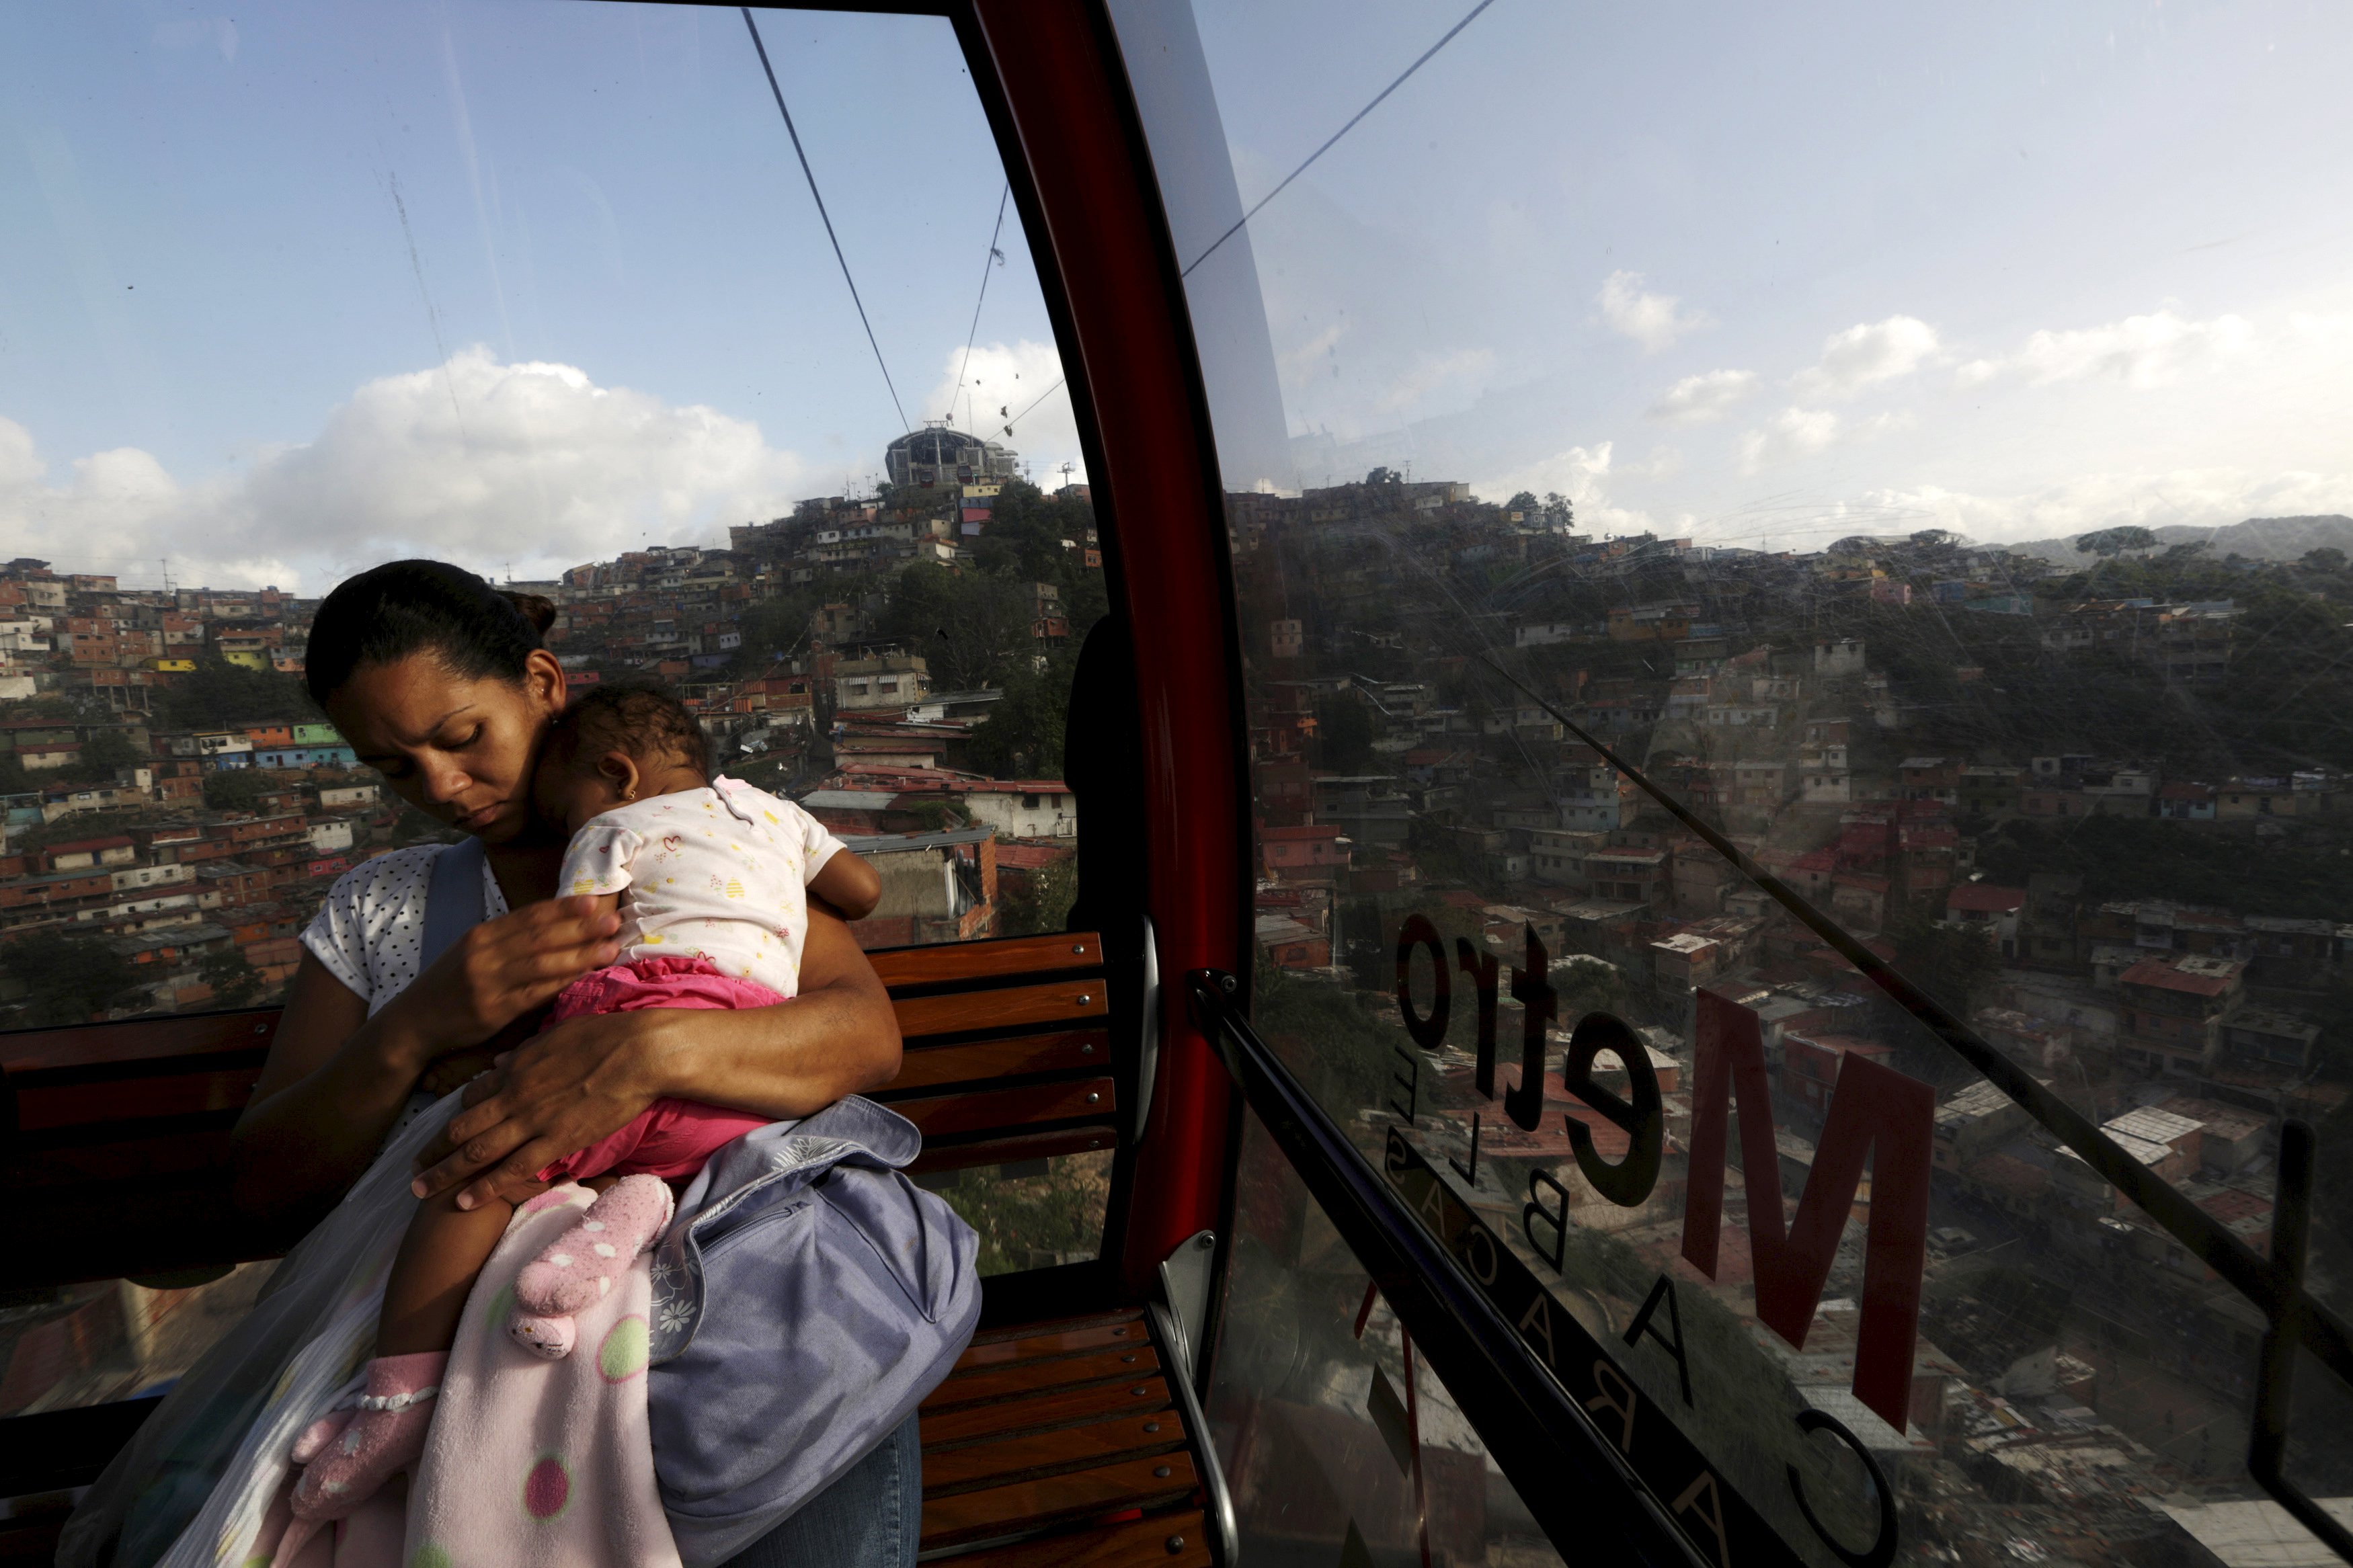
(540, 289)
(1915, 446)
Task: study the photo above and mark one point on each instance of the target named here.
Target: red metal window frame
(1050, 73)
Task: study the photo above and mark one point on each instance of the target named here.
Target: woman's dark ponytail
(402, 608)
(536, 609)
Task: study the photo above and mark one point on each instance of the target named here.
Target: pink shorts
(670, 1138)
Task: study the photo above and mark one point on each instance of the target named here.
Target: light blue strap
(454, 903)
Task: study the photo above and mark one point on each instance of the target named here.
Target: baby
(711, 878)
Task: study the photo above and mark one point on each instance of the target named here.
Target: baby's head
(616, 745)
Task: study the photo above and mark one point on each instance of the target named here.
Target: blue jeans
(871, 1518)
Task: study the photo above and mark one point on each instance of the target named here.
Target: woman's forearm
(296, 1149)
(782, 1061)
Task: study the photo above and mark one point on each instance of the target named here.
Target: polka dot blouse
(369, 930)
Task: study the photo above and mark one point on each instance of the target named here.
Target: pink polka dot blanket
(529, 1463)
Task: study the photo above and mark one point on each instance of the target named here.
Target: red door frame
(1064, 112)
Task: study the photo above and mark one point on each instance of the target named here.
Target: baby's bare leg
(444, 1250)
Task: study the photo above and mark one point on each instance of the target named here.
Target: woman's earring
(629, 792)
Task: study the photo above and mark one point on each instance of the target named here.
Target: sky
(1774, 275)
(523, 283)
(518, 283)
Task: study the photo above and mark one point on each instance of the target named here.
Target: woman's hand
(562, 1090)
(555, 1094)
(502, 969)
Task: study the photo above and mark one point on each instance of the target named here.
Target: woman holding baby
(443, 685)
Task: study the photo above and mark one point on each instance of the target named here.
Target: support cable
(993, 260)
(789, 131)
(1336, 136)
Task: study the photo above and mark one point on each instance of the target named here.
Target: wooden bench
(1062, 1437)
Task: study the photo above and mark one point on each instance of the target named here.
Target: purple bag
(805, 1302)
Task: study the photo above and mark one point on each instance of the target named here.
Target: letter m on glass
(1874, 1112)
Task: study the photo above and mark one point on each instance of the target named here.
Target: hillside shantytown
(175, 808)
(2067, 788)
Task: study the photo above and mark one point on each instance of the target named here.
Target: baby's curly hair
(647, 724)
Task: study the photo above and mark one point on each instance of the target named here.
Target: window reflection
(1644, 414)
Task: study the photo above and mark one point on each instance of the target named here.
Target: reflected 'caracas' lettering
(1873, 1111)
(1721, 1522)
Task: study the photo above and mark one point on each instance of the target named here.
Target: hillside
(2257, 539)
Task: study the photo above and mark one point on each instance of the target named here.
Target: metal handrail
(1583, 1494)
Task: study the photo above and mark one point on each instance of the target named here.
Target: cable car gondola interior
(1605, 751)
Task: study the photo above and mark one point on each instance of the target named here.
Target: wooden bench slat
(137, 1039)
(949, 963)
(1053, 1408)
(984, 1110)
(42, 1109)
(1006, 1151)
(1048, 1346)
(1054, 1003)
(175, 1153)
(1138, 1544)
(1034, 1455)
(1024, 1505)
(998, 1383)
(925, 1066)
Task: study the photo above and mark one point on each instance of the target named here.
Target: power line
(987, 264)
(754, 28)
(1033, 403)
(1319, 151)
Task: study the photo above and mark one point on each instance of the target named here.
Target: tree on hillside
(220, 693)
(774, 627)
(102, 754)
(2325, 558)
(1524, 502)
(235, 981)
(2107, 541)
(1344, 731)
(975, 630)
(1954, 966)
(1039, 902)
(1023, 736)
(236, 789)
(66, 979)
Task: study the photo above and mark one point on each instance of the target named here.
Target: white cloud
(1431, 373)
(1650, 319)
(1792, 433)
(1584, 474)
(2200, 498)
(1709, 395)
(2139, 350)
(1866, 353)
(1802, 432)
(1315, 357)
(1000, 381)
(477, 461)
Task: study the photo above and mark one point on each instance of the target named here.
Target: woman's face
(460, 750)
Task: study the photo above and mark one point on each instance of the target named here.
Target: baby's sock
(582, 1265)
(345, 1458)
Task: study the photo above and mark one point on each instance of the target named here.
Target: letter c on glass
(1882, 1550)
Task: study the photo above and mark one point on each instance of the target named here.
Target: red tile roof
(1984, 898)
(2164, 976)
